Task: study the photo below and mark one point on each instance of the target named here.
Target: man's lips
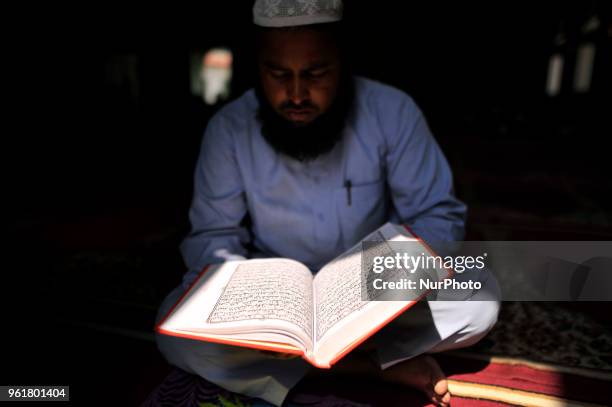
(299, 111)
(297, 114)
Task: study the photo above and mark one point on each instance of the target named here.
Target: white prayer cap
(289, 13)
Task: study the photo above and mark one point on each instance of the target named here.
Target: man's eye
(278, 74)
(318, 73)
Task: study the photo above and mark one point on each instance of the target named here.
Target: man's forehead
(280, 64)
(316, 45)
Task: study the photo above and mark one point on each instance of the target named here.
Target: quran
(277, 304)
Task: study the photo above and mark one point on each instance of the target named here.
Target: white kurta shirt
(306, 210)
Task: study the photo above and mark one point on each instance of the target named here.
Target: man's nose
(298, 91)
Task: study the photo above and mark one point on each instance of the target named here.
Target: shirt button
(317, 179)
(320, 217)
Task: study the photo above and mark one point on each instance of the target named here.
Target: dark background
(99, 169)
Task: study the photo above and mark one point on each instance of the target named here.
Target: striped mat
(474, 380)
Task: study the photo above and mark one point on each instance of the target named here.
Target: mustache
(290, 105)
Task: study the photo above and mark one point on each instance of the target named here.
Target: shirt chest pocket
(361, 208)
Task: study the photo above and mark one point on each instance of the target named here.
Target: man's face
(299, 72)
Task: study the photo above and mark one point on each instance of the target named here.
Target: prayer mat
(474, 380)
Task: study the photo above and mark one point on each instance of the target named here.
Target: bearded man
(317, 159)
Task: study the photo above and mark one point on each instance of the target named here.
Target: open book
(277, 304)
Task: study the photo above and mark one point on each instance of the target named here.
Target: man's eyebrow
(272, 65)
(319, 65)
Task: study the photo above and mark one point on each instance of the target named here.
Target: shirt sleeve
(218, 206)
(420, 179)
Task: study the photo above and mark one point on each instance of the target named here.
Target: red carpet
(473, 380)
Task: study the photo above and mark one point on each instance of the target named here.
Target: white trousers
(428, 327)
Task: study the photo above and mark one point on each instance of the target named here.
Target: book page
(337, 290)
(342, 317)
(259, 290)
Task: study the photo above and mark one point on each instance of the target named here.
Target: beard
(305, 142)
